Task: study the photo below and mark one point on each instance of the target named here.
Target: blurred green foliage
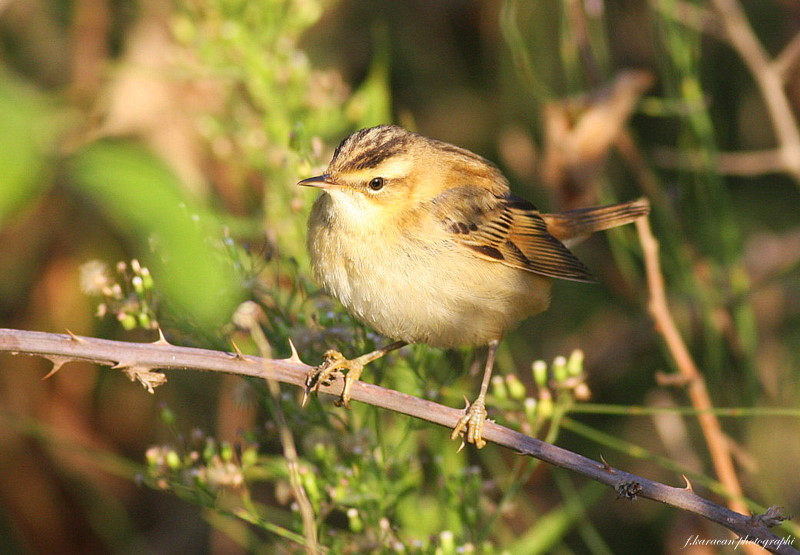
(226, 104)
(30, 123)
(143, 197)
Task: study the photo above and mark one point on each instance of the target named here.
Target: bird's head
(387, 169)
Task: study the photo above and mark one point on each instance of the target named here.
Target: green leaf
(143, 198)
(29, 125)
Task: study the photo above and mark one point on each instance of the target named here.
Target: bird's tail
(573, 226)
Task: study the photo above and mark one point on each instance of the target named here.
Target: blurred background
(150, 152)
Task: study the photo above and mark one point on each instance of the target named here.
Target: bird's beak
(322, 181)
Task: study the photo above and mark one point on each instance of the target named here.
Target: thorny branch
(140, 360)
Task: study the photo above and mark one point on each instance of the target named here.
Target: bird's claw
(326, 373)
(471, 424)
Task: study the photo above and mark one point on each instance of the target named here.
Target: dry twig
(771, 75)
(746, 163)
(696, 386)
(769, 79)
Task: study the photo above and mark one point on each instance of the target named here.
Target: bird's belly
(436, 294)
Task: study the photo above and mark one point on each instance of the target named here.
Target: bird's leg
(333, 365)
(471, 424)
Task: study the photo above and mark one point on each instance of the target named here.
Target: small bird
(424, 242)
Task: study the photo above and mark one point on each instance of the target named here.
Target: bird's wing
(573, 226)
(508, 230)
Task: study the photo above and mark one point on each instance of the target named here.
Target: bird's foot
(471, 424)
(332, 367)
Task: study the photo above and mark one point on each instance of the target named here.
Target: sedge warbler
(424, 242)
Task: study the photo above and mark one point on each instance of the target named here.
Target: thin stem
(307, 515)
(696, 385)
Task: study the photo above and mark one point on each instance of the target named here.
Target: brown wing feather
(535, 248)
(578, 224)
(508, 230)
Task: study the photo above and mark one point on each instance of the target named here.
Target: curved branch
(139, 360)
(768, 78)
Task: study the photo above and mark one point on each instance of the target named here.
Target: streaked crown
(367, 148)
(440, 164)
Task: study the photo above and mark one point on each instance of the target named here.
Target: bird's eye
(376, 184)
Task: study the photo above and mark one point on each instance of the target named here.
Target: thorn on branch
(295, 358)
(58, 362)
(605, 466)
(161, 339)
(628, 490)
(238, 355)
(688, 484)
(73, 337)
